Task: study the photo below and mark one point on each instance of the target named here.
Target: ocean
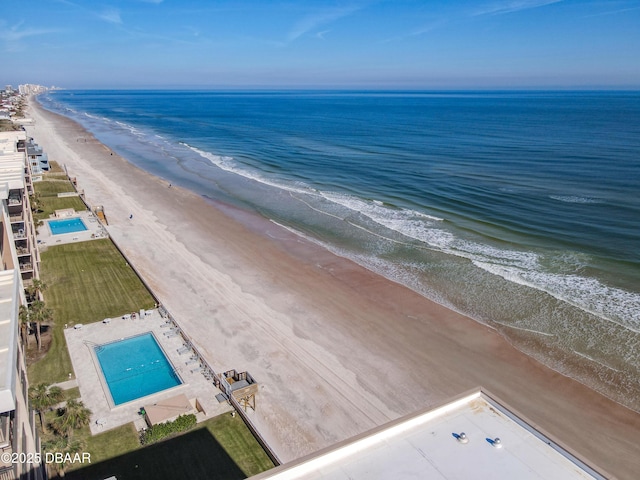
(518, 209)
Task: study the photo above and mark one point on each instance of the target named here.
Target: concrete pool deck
(94, 391)
(94, 231)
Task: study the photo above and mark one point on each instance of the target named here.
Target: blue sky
(326, 44)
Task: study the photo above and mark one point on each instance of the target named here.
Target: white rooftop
(9, 284)
(9, 140)
(427, 445)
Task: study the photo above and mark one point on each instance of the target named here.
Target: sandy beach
(337, 350)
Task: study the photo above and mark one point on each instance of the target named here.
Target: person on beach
(131, 216)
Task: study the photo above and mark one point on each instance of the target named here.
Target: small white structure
(65, 213)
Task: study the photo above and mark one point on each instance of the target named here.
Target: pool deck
(94, 231)
(94, 391)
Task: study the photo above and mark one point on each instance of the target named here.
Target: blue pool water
(71, 225)
(135, 367)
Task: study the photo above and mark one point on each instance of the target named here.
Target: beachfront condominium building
(38, 159)
(19, 443)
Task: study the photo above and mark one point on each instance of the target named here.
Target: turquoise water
(58, 227)
(518, 209)
(135, 367)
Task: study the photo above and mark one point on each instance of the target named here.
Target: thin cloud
(612, 12)
(12, 36)
(112, 16)
(418, 32)
(513, 6)
(312, 22)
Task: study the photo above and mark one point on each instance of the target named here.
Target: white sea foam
(516, 266)
(229, 164)
(574, 199)
(525, 329)
(588, 294)
(133, 130)
(595, 361)
(522, 267)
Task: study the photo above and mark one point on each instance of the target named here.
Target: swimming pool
(71, 225)
(135, 367)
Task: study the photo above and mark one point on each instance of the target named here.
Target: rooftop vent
(461, 437)
(495, 442)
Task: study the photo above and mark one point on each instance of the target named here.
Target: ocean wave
(229, 164)
(574, 199)
(588, 294)
(518, 266)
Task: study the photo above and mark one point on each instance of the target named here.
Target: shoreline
(337, 349)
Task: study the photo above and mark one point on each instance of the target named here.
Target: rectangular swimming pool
(135, 367)
(70, 225)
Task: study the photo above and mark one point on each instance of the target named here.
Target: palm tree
(36, 202)
(75, 415)
(44, 396)
(36, 288)
(23, 316)
(63, 446)
(39, 313)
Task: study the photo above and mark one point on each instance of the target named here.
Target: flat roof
(9, 140)
(11, 172)
(167, 409)
(428, 445)
(9, 284)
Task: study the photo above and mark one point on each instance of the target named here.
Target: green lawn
(87, 282)
(54, 169)
(48, 205)
(220, 448)
(49, 201)
(53, 188)
(72, 393)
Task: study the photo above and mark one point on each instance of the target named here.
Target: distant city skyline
(411, 44)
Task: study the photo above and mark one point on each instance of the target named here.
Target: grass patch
(55, 168)
(221, 448)
(56, 365)
(71, 393)
(88, 281)
(112, 443)
(53, 188)
(239, 443)
(48, 205)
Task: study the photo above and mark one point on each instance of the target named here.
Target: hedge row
(163, 430)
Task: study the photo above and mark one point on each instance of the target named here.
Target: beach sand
(337, 350)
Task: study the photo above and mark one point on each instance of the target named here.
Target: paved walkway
(94, 391)
(67, 385)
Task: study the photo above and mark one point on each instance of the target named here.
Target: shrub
(164, 430)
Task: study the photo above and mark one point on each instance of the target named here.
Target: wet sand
(337, 349)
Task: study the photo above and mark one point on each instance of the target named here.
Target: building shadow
(196, 454)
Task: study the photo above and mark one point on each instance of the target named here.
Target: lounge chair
(171, 334)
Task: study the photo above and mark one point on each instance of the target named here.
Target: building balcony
(26, 267)
(7, 469)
